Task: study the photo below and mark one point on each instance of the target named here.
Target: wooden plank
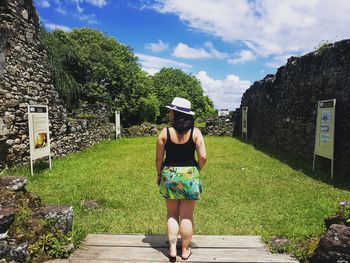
(57, 261)
(156, 241)
(147, 254)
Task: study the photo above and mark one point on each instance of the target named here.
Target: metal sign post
(39, 134)
(117, 125)
(324, 135)
(245, 122)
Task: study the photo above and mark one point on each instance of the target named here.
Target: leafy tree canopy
(87, 65)
(169, 83)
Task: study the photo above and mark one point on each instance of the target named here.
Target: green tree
(66, 66)
(89, 66)
(169, 83)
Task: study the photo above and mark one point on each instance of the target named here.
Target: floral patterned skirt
(180, 183)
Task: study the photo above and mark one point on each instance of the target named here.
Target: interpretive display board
(324, 135)
(39, 134)
(245, 122)
(117, 125)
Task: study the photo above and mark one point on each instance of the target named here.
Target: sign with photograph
(39, 134)
(324, 136)
(245, 122)
(117, 125)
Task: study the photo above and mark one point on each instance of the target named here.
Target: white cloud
(226, 93)
(44, 3)
(51, 26)
(184, 51)
(152, 64)
(99, 3)
(243, 56)
(157, 47)
(65, 8)
(90, 19)
(214, 52)
(61, 10)
(278, 61)
(269, 27)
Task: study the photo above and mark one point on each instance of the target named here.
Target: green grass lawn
(245, 191)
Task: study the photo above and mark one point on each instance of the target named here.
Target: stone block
(14, 183)
(7, 217)
(63, 216)
(4, 131)
(19, 253)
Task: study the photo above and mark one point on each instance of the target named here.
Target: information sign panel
(39, 134)
(245, 122)
(117, 125)
(324, 135)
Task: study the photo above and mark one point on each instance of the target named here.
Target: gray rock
(25, 14)
(20, 253)
(7, 217)
(90, 204)
(4, 248)
(29, 36)
(14, 183)
(63, 216)
(334, 246)
(278, 243)
(3, 129)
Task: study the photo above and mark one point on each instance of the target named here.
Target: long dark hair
(182, 122)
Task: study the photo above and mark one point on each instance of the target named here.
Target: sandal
(171, 258)
(185, 258)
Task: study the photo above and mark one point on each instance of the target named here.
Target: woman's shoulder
(163, 132)
(196, 132)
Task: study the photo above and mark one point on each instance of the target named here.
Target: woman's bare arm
(160, 151)
(200, 148)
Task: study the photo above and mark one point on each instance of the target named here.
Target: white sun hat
(181, 105)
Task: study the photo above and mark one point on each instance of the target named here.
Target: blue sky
(226, 44)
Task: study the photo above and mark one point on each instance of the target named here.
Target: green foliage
(169, 83)
(67, 68)
(20, 227)
(52, 244)
(85, 116)
(89, 66)
(149, 108)
(322, 46)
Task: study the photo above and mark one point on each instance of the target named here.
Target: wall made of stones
(25, 79)
(218, 126)
(283, 107)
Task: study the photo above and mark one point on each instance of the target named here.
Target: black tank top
(180, 154)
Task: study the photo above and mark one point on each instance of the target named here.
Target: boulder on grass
(334, 246)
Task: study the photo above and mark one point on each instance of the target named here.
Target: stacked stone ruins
(25, 79)
(283, 107)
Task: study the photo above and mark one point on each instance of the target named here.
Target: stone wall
(218, 126)
(24, 79)
(283, 107)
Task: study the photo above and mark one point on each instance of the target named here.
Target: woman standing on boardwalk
(178, 175)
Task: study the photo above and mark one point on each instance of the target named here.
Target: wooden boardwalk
(105, 248)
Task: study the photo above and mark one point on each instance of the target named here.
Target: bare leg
(186, 209)
(172, 224)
